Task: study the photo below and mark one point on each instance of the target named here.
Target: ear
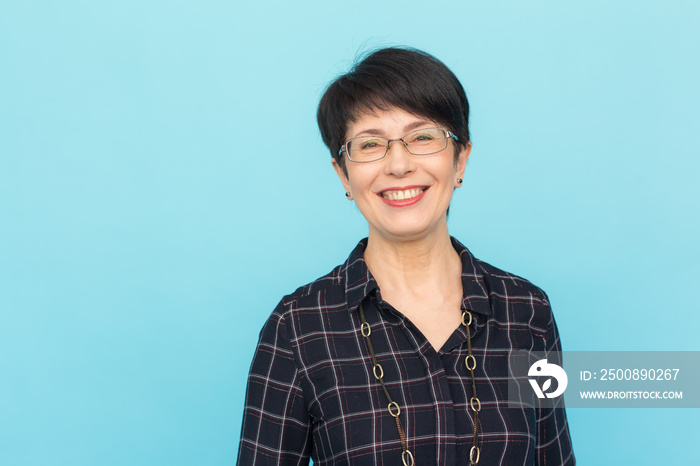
(461, 163)
(343, 177)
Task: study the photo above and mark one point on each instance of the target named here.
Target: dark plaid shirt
(311, 392)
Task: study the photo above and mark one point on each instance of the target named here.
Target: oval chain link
(378, 371)
(397, 409)
(472, 459)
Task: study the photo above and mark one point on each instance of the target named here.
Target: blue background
(163, 184)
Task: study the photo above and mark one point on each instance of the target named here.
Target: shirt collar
(359, 282)
(475, 296)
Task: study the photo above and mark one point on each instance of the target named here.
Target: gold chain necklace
(395, 410)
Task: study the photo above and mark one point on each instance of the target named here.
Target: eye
(370, 144)
(421, 137)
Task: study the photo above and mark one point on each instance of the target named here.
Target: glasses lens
(366, 149)
(426, 141)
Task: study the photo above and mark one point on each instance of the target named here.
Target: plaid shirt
(311, 391)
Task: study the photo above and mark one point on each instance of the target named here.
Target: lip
(403, 202)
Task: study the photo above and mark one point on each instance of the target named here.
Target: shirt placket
(439, 388)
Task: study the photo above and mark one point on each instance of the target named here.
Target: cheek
(446, 171)
(360, 177)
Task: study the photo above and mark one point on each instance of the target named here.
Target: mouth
(403, 194)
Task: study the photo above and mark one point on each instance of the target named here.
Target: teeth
(402, 195)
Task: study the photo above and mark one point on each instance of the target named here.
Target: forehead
(393, 122)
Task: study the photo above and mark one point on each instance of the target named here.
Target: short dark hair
(406, 78)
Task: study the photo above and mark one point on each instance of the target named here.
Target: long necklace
(395, 410)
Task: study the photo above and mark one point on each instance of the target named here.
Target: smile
(404, 194)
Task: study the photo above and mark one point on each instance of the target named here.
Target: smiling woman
(398, 354)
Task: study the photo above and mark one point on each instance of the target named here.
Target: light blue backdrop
(163, 184)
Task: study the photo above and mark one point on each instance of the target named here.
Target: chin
(411, 232)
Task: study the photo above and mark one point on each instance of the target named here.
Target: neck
(414, 267)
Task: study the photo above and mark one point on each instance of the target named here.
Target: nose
(398, 162)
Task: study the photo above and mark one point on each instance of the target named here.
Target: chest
(436, 324)
(436, 320)
(348, 407)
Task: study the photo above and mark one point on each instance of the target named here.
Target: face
(404, 197)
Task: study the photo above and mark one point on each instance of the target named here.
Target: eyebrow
(408, 128)
(416, 124)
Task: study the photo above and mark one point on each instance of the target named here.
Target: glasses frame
(344, 147)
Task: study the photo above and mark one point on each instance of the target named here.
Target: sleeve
(276, 427)
(553, 446)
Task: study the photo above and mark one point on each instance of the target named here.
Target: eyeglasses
(424, 141)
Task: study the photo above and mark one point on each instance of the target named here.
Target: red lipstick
(403, 202)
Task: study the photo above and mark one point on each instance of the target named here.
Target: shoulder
(311, 310)
(314, 293)
(514, 285)
(516, 302)
(482, 280)
(332, 292)
(312, 323)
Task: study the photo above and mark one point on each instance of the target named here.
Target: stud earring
(459, 180)
(347, 195)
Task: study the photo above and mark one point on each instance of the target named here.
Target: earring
(347, 195)
(459, 180)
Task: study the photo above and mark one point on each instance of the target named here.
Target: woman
(399, 355)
